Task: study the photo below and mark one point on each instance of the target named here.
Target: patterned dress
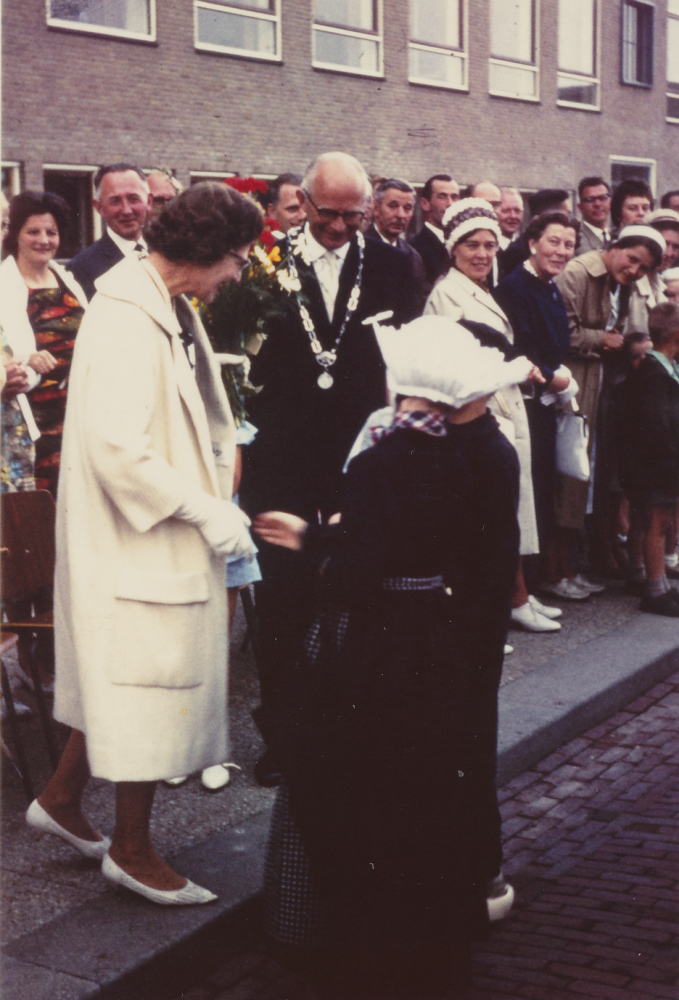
(17, 463)
(55, 315)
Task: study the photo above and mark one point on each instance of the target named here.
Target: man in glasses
(164, 187)
(322, 375)
(594, 204)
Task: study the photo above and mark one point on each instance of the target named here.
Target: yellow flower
(263, 259)
(275, 255)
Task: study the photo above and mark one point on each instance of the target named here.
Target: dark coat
(419, 273)
(514, 255)
(90, 264)
(389, 746)
(647, 421)
(305, 432)
(433, 252)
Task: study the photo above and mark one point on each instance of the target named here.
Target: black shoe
(664, 604)
(267, 773)
(634, 587)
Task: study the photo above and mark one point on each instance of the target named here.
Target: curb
(116, 947)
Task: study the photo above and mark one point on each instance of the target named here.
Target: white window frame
(462, 53)
(583, 77)
(98, 29)
(14, 168)
(671, 16)
(649, 7)
(646, 161)
(257, 15)
(369, 36)
(533, 67)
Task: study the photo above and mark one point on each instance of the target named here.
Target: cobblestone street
(591, 847)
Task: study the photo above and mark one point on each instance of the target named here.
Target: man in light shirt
(123, 200)
(594, 204)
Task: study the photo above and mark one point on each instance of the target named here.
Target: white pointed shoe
(527, 618)
(508, 649)
(566, 589)
(175, 782)
(38, 819)
(584, 584)
(189, 895)
(214, 778)
(544, 609)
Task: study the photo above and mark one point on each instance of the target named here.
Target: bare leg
(232, 595)
(654, 542)
(131, 847)
(62, 799)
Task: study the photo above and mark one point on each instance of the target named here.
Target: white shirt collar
(439, 232)
(125, 246)
(601, 233)
(317, 250)
(392, 243)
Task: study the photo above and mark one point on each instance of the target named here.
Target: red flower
(247, 185)
(267, 238)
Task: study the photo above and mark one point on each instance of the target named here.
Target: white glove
(566, 394)
(222, 524)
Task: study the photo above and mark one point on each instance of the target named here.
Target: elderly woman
(596, 288)
(144, 525)
(41, 306)
(462, 294)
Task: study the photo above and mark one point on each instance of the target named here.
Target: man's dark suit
(305, 434)
(90, 264)
(422, 283)
(433, 252)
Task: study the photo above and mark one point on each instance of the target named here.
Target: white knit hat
(436, 358)
(467, 215)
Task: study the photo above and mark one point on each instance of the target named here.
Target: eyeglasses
(591, 198)
(243, 261)
(329, 214)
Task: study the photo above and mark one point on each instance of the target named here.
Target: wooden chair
(28, 541)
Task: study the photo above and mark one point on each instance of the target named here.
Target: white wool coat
(140, 598)
(459, 297)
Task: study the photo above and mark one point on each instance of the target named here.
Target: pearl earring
(533, 250)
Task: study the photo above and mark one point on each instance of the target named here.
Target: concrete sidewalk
(68, 935)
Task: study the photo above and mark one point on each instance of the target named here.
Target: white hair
(343, 160)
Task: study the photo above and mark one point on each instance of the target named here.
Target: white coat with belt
(16, 324)
(459, 297)
(140, 598)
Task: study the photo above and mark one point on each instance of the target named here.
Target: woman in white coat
(144, 524)
(472, 239)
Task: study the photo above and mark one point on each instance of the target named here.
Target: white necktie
(327, 270)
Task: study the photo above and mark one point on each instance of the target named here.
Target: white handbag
(572, 441)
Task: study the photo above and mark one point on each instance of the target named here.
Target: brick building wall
(76, 99)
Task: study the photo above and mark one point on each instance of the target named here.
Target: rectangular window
(637, 43)
(347, 36)
(125, 18)
(577, 79)
(513, 49)
(11, 178)
(249, 28)
(626, 167)
(673, 60)
(75, 185)
(436, 53)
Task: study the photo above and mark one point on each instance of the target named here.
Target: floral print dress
(17, 461)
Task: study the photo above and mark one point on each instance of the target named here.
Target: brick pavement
(591, 846)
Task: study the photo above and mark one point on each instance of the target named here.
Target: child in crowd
(648, 457)
(385, 852)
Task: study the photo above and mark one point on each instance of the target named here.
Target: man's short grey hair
(392, 184)
(342, 159)
(121, 167)
(504, 191)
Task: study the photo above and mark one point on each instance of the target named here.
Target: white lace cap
(436, 358)
(641, 230)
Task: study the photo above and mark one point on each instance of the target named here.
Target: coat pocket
(161, 626)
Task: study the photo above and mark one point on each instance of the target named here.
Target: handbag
(572, 441)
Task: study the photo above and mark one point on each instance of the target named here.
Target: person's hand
(279, 528)
(17, 379)
(535, 375)
(42, 362)
(613, 340)
(559, 383)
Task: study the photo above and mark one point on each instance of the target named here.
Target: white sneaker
(566, 589)
(543, 609)
(508, 649)
(584, 584)
(217, 777)
(526, 617)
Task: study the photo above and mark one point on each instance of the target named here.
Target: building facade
(528, 93)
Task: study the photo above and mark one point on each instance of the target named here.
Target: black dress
(388, 746)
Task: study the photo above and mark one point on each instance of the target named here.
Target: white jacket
(16, 324)
(140, 598)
